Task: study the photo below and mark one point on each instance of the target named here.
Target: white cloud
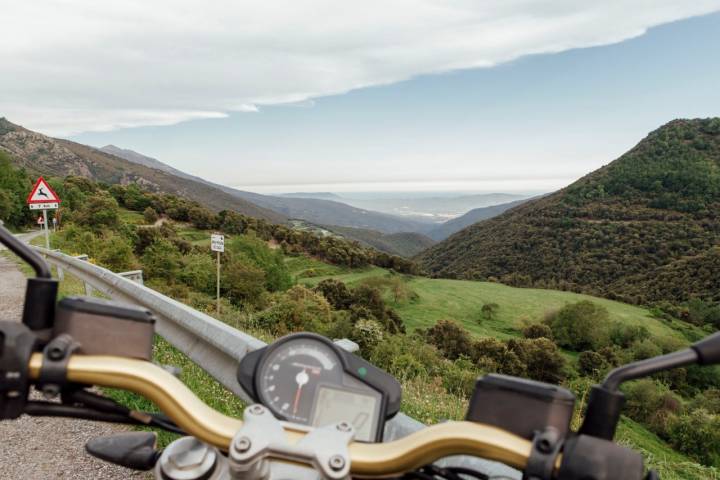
(82, 65)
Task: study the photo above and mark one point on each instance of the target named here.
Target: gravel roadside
(38, 448)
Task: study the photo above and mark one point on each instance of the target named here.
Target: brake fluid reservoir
(521, 406)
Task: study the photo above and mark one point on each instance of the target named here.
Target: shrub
(591, 363)
(253, 250)
(370, 298)
(98, 212)
(243, 283)
(708, 400)
(161, 260)
(698, 435)
(459, 377)
(580, 326)
(645, 349)
(199, 271)
(336, 293)
(537, 330)
(651, 403)
(543, 361)
(115, 252)
(489, 311)
(298, 309)
(150, 215)
(451, 339)
(407, 357)
(625, 335)
(493, 355)
(367, 333)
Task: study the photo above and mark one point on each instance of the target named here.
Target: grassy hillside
(462, 300)
(637, 229)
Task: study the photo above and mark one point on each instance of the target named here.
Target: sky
(446, 95)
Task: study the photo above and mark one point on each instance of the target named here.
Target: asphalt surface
(38, 448)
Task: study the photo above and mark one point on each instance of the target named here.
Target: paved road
(38, 448)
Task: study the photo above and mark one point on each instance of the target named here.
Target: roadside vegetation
(436, 336)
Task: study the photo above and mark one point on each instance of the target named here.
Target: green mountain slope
(54, 157)
(444, 230)
(637, 229)
(405, 244)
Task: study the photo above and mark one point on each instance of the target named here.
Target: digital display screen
(335, 406)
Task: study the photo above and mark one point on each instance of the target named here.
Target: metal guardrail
(213, 345)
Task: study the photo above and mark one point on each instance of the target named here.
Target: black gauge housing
(351, 377)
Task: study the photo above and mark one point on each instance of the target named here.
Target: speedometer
(305, 378)
(290, 376)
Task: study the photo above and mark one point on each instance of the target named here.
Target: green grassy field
(461, 300)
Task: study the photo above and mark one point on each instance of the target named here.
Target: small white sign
(217, 242)
(44, 206)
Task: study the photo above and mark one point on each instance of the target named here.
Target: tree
(451, 339)
(336, 293)
(243, 283)
(161, 260)
(591, 363)
(580, 326)
(537, 330)
(542, 358)
(99, 212)
(150, 215)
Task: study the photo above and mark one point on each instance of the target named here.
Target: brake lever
(134, 450)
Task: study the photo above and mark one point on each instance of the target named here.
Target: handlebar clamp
(263, 437)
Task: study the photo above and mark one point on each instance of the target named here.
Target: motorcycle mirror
(708, 350)
(41, 292)
(606, 401)
(135, 450)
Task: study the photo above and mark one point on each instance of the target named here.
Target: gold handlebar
(367, 459)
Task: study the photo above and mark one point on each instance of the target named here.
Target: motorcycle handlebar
(367, 459)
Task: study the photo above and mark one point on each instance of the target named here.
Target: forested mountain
(642, 229)
(325, 211)
(444, 230)
(44, 155)
(405, 244)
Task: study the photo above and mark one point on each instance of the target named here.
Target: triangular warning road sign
(42, 193)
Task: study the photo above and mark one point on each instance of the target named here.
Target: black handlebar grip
(591, 458)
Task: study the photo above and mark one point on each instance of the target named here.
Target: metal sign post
(47, 230)
(42, 197)
(217, 244)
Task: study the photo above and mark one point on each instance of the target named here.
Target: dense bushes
(690, 427)
(538, 358)
(580, 326)
(14, 188)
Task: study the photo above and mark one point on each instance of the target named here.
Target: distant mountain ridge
(404, 244)
(641, 229)
(314, 210)
(431, 208)
(55, 157)
(446, 229)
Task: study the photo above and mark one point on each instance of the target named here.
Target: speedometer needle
(301, 378)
